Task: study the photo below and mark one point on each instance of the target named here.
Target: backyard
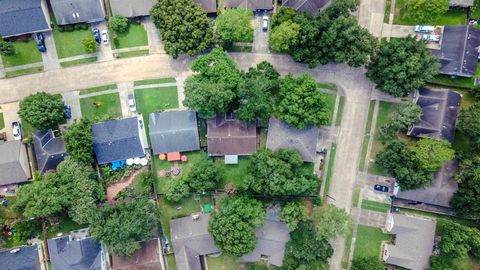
(70, 43)
(452, 17)
(135, 36)
(26, 53)
(101, 106)
(369, 241)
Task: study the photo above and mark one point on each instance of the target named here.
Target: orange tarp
(174, 156)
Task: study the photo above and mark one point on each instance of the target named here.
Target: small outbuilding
(49, 150)
(78, 11)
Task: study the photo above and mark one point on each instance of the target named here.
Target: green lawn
(375, 206)
(331, 161)
(366, 138)
(330, 103)
(348, 244)
(445, 80)
(134, 37)
(26, 53)
(327, 86)
(233, 173)
(20, 72)
(101, 106)
(154, 81)
(356, 197)
(98, 89)
(131, 54)
(66, 226)
(452, 17)
(341, 106)
(2, 122)
(222, 262)
(7, 212)
(369, 240)
(27, 129)
(70, 43)
(388, 6)
(171, 262)
(78, 62)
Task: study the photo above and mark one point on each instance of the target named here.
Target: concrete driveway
(50, 58)
(369, 218)
(398, 31)
(370, 16)
(154, 41)
(73, 100)
(260, 38)
(10, 115)
(104, 52)
(124, 89)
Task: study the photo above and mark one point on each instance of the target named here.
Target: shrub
(118, 23)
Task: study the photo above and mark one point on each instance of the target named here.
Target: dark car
(96, 35)
(39, 39)
(380, 188)
(67, 111)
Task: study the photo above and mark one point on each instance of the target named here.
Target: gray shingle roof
(413, 242)
(77, 11)
(461, 3)
(458, 50)
(173, 131)
(131, 8)
(231, 137)
(14, 166)
(67, 254)
(190, 239)
(49, 151)
(210, 6)
(117, 140)
(439, 114)
(22, 17)
(311, 7)
(250, 4)
(24, 259)
(284, 136)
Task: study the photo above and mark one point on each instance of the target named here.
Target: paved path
(111, 91)
(370, 15)
(154, 41)
(369, 218)
(9, 69)
(131, 49)
(77, 57)
(10, 114)
(260, 38)
(124, 89)
(146, 86)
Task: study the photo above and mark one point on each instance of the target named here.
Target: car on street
(16, 130)
(380, 188)
(96, 35)
(39, 39)
(105, 37)
(131, 103)
(424, 28)
(265, 23)
(67, 111)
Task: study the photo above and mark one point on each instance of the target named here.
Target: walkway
(15, 68)
(77, 57)
(369, 218)
(116, 188)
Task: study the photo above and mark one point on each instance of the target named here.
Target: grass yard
(222, 262)
(20, 72)
(366, 138)
(172, 265)
(330, 103)
(375, 206)
(7, 212)
(2, 121)
(70, 43)
(331, 160)
(445, 80)
(66, 226)
(79, 62)
(102, 105)
(154, 81)
(234, 48)
(27, 129)
(348, 244)
(356, 197)
(135, 36)
(386, 17)
(26, 53)
(327, 86)
(132, 54)
(369, 240)
(341, 106)
(98, 89)
(452, 17)
(233, 173)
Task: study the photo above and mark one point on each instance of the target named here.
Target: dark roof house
(49, 151)
(414, 241)
(284, 136)
(439, 114)
(146, 258)
(78, 11)
(191, 241)
(461, 3)
(229, 136)
(210, 6)
(67, 253)
(458, 52)
(173, 131)
(132, 8)
(14, 166)
(26, 258)
(118, 140)
(250, 4)
(311, 7)
(23, 17)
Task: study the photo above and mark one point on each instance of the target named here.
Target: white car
(265, 23)
(105, 37)
(424, 28)
(431, 38)
(17, 131)
(131, 103)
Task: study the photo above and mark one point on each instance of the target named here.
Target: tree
(402, 66)
(7, 48)
(203, 176)
(284, 14)
(465, 200)
(441, 263)
(469, 123)
(89, 44)
(184, 26)
(118, 23)
(370, 263)
(423, 11)
(248, 209)
(176, 190)
(432, 153)
(459, 240)
(407, 114)
(121, 226)
(234, 25)
(79, 140)
(301, 104)
(279, 173)
(284, 37)
(293, 213)
(331, 222)
(42, 110)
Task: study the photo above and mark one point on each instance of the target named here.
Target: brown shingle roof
(231, 137)
(250, 4)
(146, 258)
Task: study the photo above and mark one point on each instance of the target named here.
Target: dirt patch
(116, 188)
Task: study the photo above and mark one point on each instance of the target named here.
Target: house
(49, 150)
(284, 136)
(14, 164)
(210, 6)
(250, 4)
(147, 257)
(132, 8)
(173, 131)
(71, 253)
(435, 197)
(439, 114)
(458, 53)
(20, 258)
(461, 3)
(23, 17)
(78, 11)
(311, 7)
(413, 244)
(119, 140)
(191, 241)
(227, 136)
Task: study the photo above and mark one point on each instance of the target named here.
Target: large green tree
(432, 153)
(331, 222)
(279, 173)
(458, 241)
(176, 190)
(234, 25)
(284, 14)
(370, 263)
(284, 37)
(184, 26)
(401, 66)
(217, 67)
(301, 104)
(42, 110)
(406, 115)
(118, 23)
(79, 140)
(424, 11)
(469, 123)
(292, 214)
(204, 176)
(466, 201)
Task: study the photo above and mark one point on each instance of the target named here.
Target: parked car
(432, 38)
(380, 188)
(17, 131)
(424, 28)
(67, 111)
(96, 35)
(39, 39)
(131, 103)
(105, 37)
(265, 23)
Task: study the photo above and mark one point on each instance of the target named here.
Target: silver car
(131, 103)
(17, 131)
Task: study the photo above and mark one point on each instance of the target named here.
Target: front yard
(2, 122)
(70, 43)
(26, 53)
(369, 241)
(330, 104)
(101, 106)
(134, 37)
(452, 17)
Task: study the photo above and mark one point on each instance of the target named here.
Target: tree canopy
(458, 241)
(284, 37)
(234, 25)
(432, 153)
(284, 14)
(469, 123)
(370, 263)
(406, 115)
(118, 23)
(42, 110)
(401, 66)
(89, 44)
(183, 25)
(7, 48)
(465, 201)
(79, 140)
(424, 11)
(331, 222)
(176, 190)
(279, 173)
(293, 213)
(203, 176)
